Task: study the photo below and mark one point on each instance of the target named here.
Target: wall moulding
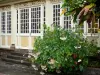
(29, 4)
(6, 8)
(55, 1)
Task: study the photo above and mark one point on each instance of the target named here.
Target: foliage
(82, 9)
(97, 8)
(62, 50)
(93, 48)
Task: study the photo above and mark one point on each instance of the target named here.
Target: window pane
(67, 21)
(56, 14)
(9, 22)
(24, 20)
(3, 22)
(35, 19)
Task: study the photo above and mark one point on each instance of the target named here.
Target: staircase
(19, 56)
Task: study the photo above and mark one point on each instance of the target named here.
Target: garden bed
(88, 71)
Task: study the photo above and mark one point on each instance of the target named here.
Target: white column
(49, 13)
(98, 40)
(19, 30)
(62, 16)
(18, 34)
(30, 42)
(85, 29)
(42, 19)
(0, 30)
(72, 24)
(13, 24)
(6, 41)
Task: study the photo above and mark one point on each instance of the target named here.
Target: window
(44, 14)
(6, 22)
(9, 22)
(3, 22)
(89, 28)
(30, 20)
(35, 19)
(67, 22)
(56, 14)
(24, 20)
(79, 27)
(17, 21)
(93, 28)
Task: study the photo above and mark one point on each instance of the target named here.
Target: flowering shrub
(62, 51)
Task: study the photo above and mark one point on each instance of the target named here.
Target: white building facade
(22, 21)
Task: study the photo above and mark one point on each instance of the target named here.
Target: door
(5, 29)
(28, 26)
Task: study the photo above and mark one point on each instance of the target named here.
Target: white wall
(13, 24)
(49, 13)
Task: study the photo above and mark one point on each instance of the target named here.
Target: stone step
(17, 61)
(19, 54)
(7, 49)
(16, 57)
(23, 51)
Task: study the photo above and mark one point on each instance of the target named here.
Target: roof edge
(16, 2)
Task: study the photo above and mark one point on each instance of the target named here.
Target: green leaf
(81, 67)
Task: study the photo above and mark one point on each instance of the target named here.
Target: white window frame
(36, 20)
(56, 21)
(85, 28)
(67, 22)
(3, 22)
(18, 23)
(7, 23)
(44, 14)
(94, 28)
(25, 22)
(61, 17)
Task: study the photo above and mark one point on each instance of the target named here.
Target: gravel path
(16, 69)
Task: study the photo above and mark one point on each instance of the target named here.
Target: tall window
(17, 21)
(29, 24)
(3, 22)
(67, 22)
(56, 14)
(44, 14)
(93, 28)
(9, 22)
(6, 22)
(35, 19)
(24, 20)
